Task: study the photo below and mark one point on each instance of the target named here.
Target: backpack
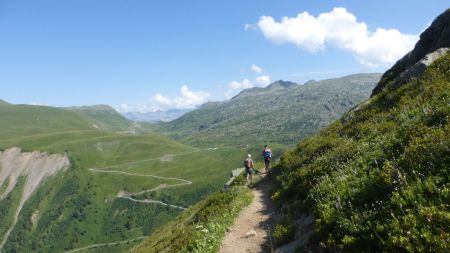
(267, 154)
(247, 163)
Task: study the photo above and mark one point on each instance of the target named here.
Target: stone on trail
(250, 233)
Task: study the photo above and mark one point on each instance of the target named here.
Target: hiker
(249, 168)
(267, 155)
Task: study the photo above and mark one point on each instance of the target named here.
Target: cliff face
(436, 36)
(34, 167)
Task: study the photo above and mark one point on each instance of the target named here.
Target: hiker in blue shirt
(267, 156)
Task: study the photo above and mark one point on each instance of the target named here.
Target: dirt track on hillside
(251, 230)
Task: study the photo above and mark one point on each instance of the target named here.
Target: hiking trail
(251, 231)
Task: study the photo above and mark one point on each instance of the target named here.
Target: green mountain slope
(283, 112)
(378, 179)
(103, 117)
(18, 121)
(92, 202)
(3, 102)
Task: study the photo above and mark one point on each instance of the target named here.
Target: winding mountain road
(128, 195)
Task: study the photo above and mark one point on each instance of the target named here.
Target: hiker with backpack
(249, 168)
(267, 156)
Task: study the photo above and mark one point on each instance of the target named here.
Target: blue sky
(142, 55)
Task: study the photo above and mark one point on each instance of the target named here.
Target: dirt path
(98, 245)
(250, 231)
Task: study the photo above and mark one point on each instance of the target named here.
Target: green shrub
(283, 233)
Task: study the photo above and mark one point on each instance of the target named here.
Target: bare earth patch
(34, 166)
(166, 158)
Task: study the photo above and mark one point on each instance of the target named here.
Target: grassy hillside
(281, 113)
(104, 117)
(378, 180)
(3, 102)
(80, 207)
(20, 121)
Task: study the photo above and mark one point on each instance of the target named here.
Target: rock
(420, 67)
(250, 233)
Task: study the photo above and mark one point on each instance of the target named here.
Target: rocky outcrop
(34, 167)
(435, 37)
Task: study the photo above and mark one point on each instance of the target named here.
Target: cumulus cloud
(244, 84)
(187, 99)
(256, 69)
(262, 81)
(340, 29)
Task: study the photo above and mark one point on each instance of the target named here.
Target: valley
(113, 184)
(358, 162)
(125, 179)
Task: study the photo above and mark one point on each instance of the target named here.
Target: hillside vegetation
(378, 179)
(202, 227)
(92, 202)
(103, 117)
(283, 112)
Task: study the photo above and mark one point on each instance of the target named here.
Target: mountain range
(283, 112)
(159, 115)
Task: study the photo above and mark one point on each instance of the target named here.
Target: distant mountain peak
(281, 83)
(275, 86)
(158, 115)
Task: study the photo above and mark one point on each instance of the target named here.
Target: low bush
(283, 233)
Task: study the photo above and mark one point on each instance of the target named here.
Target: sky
(139, 55)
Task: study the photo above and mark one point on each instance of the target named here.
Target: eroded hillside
(27, 171)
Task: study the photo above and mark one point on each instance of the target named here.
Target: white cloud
(244, 84)
(187, 99)
(256, 69)
(303, 31)
(250, 27)
(262, 81)
(162, 100)
(340, 29)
